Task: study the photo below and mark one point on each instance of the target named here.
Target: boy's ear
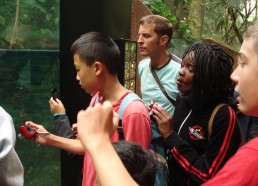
(98, 67)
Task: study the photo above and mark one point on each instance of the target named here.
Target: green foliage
(222, 20)
(32, 24)
(227, 20)
(2, 20)
(180, 24)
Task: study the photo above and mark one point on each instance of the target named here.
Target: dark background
(76, 18)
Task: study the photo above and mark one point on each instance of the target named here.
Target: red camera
(152, 107)
(27, 132)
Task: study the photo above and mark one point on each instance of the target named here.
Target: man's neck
(161, 60)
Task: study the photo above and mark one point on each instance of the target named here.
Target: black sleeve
(63, 126)
(63, 129)
(224, 142)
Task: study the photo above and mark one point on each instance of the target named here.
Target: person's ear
(164, 40)
(98, 67)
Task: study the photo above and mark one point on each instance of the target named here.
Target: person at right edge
(200, 144)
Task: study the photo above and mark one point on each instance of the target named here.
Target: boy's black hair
(140, 163)
(95, 46)
(211, 81)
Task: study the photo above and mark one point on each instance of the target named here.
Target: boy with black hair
(96, 60)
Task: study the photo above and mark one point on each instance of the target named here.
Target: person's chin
(242, 108)
(251, 111)
(181, 87)
(144, 53)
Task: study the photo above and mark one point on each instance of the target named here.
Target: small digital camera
(27, 132)
(152, 107)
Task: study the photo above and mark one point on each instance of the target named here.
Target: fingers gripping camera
(152, 107)
(27, 132)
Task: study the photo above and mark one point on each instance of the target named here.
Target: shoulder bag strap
(161, 86)
(243, 141)
(212, 118)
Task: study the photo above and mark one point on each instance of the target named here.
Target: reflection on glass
(29, 69)
(25, 84)
(130, 65)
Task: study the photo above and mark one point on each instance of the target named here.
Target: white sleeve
(11, 168)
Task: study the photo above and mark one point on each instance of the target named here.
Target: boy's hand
(42, 133)
(96, 124)
(56, 106)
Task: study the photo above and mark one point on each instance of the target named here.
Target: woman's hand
(164, 120)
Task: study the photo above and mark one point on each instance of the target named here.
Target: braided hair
(211, 80)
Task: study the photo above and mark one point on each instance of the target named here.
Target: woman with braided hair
(200, 144)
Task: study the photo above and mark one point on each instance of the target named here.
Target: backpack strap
(127, 99)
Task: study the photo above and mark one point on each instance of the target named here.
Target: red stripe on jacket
(218, 159)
